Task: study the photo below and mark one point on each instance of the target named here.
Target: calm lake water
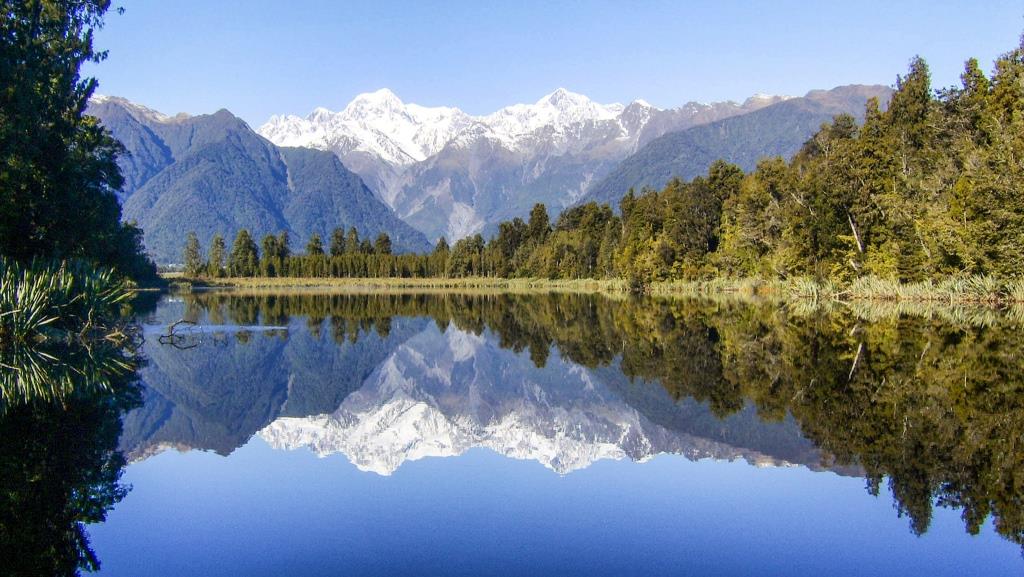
(418, 434)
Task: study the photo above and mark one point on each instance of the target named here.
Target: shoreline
(977, 291)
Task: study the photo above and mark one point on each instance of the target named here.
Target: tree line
(925, 188)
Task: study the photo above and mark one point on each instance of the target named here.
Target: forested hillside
(213, 175)
(776, 130)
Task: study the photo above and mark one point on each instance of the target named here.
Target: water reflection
(60, 420)
(930, 405)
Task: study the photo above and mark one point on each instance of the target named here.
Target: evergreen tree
(338, 241)
(383, 244)
(58, 167)
(215, 266)
(271, 262)
(314, 247)
(438, 262)
(539, 224)
(244, 259)
(352, 241)
(192, 256)
(283, 245)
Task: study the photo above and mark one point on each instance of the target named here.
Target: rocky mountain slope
(212, 174)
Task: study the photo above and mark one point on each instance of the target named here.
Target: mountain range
(452, 174)
(419, 173)
(212, 174)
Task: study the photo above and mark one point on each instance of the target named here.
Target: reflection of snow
(440, 395)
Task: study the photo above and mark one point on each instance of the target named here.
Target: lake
(537, 434)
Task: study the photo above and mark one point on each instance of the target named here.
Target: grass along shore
(954, 290)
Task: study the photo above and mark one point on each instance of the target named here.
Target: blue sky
(258, 58)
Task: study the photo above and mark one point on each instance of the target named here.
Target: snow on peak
(137, 110)
(564, 99)
(376, 122)
(381, 101)
(760, 99)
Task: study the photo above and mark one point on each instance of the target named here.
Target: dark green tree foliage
(58, 167)
(338, 241)
(244, 259)
(382, 245)
(193, 255)
(314, 247)
(271, 263)
(540, 224)
(218, 250)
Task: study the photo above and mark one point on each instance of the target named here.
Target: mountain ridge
(776, 130)
(213, 174)
(452, 174)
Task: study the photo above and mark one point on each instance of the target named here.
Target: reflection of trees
(59, 466)
(932, 408)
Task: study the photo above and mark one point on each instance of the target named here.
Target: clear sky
(257, 57)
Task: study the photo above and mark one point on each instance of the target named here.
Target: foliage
(54, 302)
(58, 167)
(59, 463)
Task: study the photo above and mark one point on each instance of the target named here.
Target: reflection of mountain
(217, 395)
(442, 394)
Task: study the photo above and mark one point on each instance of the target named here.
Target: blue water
(267, 512)
(616, 475)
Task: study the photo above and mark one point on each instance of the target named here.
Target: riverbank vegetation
(920, 202)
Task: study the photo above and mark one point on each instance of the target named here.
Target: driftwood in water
(175, 338)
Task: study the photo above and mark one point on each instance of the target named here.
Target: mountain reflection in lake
(927, 406)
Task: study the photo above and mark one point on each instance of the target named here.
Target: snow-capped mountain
(441, 395)
(377, 123)
(449, 173)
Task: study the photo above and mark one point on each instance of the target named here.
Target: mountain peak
(562, 99)
(382, 99)
(133, 108)
(760, 99)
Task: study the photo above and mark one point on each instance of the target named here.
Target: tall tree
(58, 167)
(315, 247)
(192, 256)
(218, 250)
(244, 259)
(539, 224)
(352, 241)
(338, 241)
(383, 244)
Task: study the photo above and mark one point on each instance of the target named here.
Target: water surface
(405, 434)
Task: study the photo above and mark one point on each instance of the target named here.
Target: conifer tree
(352, 241)
(383, 244)
(244, 258)
(218, 250)
(314, 247)
(338, 241)
(192, 256)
